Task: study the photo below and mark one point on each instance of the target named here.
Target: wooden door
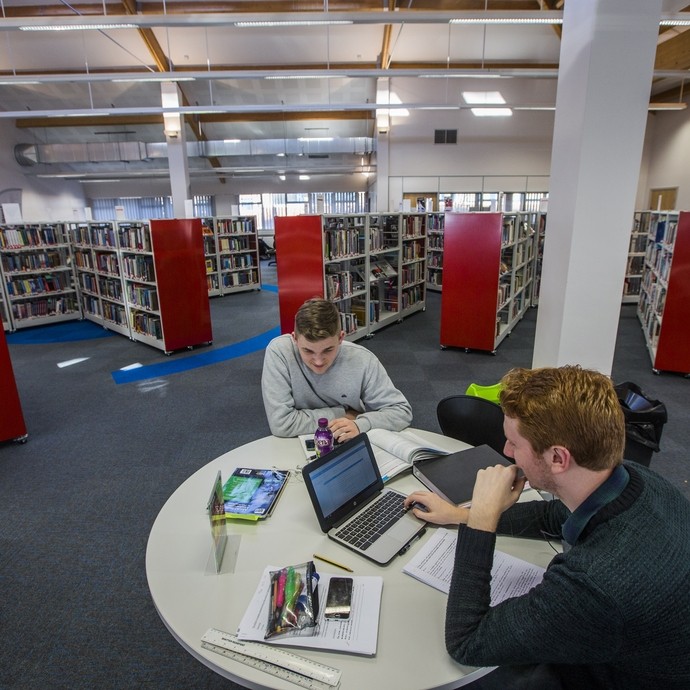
(663, 199)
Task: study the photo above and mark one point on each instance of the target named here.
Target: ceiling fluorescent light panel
(491, 112)
(294, 22)
(75, 27)
(483, 98)
(507, 20)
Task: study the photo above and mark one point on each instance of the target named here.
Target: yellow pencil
(332, 562)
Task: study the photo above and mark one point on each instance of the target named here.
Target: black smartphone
(339, 598)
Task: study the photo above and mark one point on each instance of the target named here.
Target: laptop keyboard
(366, 528)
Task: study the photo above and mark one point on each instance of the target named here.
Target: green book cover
(251, 494)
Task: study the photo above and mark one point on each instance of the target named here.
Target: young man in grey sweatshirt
(314, 373)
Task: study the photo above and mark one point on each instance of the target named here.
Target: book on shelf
(251, 494)
(382, 269)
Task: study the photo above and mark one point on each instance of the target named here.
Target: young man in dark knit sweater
(613, 610)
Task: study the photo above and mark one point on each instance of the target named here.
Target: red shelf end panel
(299, 264)
(178, 246)
(12, 418)
(673, 353)
(471, 260)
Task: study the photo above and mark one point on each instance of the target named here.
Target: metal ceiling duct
(130, 151)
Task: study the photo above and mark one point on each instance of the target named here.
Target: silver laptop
(346, 489)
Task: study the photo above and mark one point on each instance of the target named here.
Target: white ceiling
(247, 105)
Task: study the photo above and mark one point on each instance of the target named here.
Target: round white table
(191, 598)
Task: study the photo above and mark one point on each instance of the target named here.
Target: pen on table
(332, 562)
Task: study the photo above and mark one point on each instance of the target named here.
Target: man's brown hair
(317, 319)
(567, 406)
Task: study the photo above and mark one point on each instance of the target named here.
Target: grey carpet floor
(77, 500)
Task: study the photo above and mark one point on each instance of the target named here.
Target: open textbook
(397, 451)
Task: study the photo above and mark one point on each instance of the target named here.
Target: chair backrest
(489, 393)
(472, 420)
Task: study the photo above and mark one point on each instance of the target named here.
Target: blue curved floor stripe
(203, 359)
(58, 333)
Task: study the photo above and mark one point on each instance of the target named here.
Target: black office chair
(472, 420)
(267, 252)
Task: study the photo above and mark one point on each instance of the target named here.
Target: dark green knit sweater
(612, 612)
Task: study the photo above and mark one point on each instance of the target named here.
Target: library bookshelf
(538, 257)
(237, 246)
(372, 266)
(636, 256)
(146, 280)
(488, 277)
(434, 251)
(231, 254)
(4, 309)
(211, 257)
(97, 263)
(12, 425)
(164, 274)
(37, 274)
(664, 304)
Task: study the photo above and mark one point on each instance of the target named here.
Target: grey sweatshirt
(295, 397)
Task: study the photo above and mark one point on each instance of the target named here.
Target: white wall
(500, 154)
(668, 140)
(40, 199)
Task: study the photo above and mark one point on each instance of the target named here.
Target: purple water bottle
(323, 438)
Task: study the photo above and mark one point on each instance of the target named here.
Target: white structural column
(383, 123)
(383, 202)
(175, 136)
(605, 74)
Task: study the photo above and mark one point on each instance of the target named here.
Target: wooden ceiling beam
(385, 56)
(345, 115)
(164, 64)
(674, 53)
(88, 121)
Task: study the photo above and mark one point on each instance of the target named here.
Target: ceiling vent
(445, 136)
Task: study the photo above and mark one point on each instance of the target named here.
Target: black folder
(452, 476)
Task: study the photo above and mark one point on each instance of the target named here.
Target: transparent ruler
(277, 662)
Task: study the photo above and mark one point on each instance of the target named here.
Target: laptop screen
(344, 474)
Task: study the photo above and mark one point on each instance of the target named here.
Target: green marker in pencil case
(293, 588)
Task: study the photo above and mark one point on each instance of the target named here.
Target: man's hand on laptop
(438, 510)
